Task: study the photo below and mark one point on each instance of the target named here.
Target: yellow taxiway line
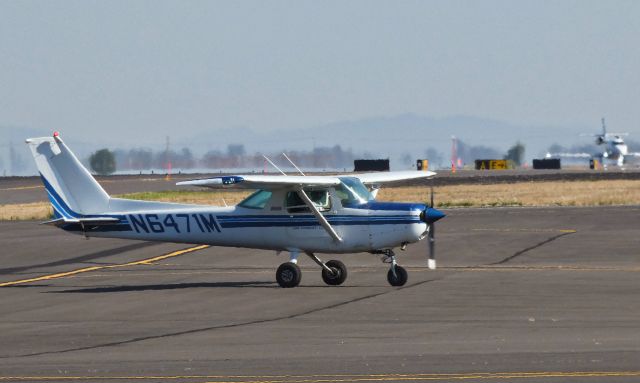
(147, 261)
(497, 376)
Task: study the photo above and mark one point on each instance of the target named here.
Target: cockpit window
(257, 200)
(295, 204)
(352, 191)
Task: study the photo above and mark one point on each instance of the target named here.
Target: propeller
(431, 262)
(431, 215)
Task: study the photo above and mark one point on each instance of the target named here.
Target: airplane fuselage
(369, 227)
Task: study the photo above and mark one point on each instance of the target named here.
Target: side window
(257, 200)
(295, 204)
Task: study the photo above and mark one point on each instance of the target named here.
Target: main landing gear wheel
(288, 275)
(399, 278)
(338, 274)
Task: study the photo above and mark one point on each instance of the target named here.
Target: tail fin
(72, 190)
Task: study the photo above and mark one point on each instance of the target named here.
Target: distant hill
(409, 136)
(403, 138)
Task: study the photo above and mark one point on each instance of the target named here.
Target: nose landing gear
(397, 275)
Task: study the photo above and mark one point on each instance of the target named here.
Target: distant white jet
(615, 151)
(297, 214)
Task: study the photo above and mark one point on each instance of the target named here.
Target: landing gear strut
(334, 272)
(337, 275)
(397, 275)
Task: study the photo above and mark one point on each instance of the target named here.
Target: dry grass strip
(555, 193)
(25, 211)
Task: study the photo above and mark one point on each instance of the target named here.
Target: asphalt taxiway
(521, 294)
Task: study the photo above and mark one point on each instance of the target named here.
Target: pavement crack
(523, 251)
(221, 327)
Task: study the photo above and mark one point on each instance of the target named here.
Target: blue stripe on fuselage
(310, 220)
(388, 206)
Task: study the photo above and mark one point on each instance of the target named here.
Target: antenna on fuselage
(274, 165)
(291, 162)
(604, 128)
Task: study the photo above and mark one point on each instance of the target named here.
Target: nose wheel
(397, 275)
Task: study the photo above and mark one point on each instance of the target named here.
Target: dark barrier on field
(546, 163)
(422, 164)
(371, 165)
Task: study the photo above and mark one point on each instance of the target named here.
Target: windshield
(257, 200)
(352, 191)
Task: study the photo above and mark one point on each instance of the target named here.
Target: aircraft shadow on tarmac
(83, 258)
(177, 286)
(171, 286)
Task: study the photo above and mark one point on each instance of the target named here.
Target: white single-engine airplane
(298, 214)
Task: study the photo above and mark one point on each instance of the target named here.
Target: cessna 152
(297, 214)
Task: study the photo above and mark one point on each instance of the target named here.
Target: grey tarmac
(521, 294)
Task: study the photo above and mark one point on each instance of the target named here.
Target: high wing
(380, 178)
(275, 182)
(262, 182)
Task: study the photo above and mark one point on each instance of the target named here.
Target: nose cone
(431, 215)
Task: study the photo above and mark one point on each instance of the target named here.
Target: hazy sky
(155, 68)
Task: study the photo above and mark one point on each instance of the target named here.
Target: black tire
(288, 275)
(400, 278)
(339, 274)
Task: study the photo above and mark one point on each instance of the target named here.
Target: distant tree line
(516, 153)
(105, 161)
(319, 158)
(470, 153)
(142, 159)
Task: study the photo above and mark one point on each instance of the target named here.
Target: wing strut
(314, 209)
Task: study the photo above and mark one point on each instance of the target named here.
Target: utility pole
(454, 153)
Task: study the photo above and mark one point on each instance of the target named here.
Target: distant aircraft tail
(72, 190)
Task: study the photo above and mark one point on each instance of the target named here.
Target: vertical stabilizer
(71, 188)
